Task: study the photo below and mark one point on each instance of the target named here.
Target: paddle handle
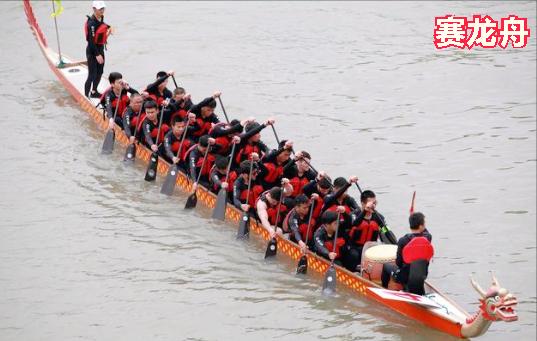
(412, 203)
(174, 82)
(335, 235)
(230, 161)
(118, 100)
(275, 134)
(278, 212)
(223, 109)
(182, 140)
(312, 207)
(249, 181)
(160, 123)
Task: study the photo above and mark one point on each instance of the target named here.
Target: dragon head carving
(497, 303)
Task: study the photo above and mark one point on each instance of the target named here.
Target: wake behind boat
(433, 309)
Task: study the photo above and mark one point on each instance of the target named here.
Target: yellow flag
(58, 10)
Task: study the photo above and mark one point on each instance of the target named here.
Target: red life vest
(123, 102)
(101, 34)
(230, 181)
(157, 99)
(318, 208)
(208, 164)
(186, 145)
(418, 248)
(245, 152)
(274, 172)
(367, 231)
(255, 192)
(205, 127)
(223, 141)
(272, 211)
(302, 228)
(298, 184)
(329, 244)
(163, 130)
(179, 113)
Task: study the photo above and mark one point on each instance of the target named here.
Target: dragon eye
(497, 298)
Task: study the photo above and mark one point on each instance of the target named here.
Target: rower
(223, 133)
(414, 251)
(273, 164)
(116, 95)
(296, 222)
(299, 172)
(96, 32)
(150, 127)
(132, 115)
(240, 186)
(251, 141)
(267, 208)
(217, 176)
(324, 237)
(179, 105)
(158, 91)
(366, 224)
(340, 198)
(205, 116)
(172, 140)
(321, 185)
(195, 159)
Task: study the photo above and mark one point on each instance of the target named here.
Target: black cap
(340, 182)
(251, 126)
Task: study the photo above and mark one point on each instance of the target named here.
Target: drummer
(414, 251)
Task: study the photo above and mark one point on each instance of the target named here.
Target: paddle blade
(151, 172)
(329, 284)
(169, 184)
(243, 225)
(108, 143)
(130, 153)
(192, 201)
(302, 267)
(272, 248)
(219, 211)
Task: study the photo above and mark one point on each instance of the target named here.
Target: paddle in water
(151, 172)
(110, 137)
(330, 278)
(302, 267)
(192, 200)
(171, 178)
(272, 247)
(245, 217)
(219, 211)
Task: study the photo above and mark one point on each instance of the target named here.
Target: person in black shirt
(97, 33)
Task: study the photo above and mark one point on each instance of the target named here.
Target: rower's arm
(293, 225)
(153, 87)
(221, 131)
(247, 134)
(237, 193)
(132, 91)
(215, 179)
(168, 146)
(127, 123)
(147, 134)
(192, 160)
(319, 244)
(263, 215)
(108, 104)
(309, 188)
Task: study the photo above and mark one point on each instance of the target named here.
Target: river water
(89, 250)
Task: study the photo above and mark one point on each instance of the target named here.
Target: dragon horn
(477, 287)
(495, 280)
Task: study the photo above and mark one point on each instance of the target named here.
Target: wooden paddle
(302, 267)
(219, 211)
(110, 137)
(130, 152)
(245, 217)
(192, 200)
(171, 178)
(330, 277)
(272, 247)
(151, 172)
(385, 231)
(223, 109)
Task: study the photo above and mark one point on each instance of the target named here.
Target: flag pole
(61, 64)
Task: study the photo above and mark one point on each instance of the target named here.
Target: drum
(373, 260)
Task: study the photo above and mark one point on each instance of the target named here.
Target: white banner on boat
(405, 297)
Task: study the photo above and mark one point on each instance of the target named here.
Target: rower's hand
(125, 85)
(175, 159)
(154, 148)
(100, 59)
(194, 186)
(245, 207)
(288, 145)
(187, 97)
(145, 94)
(332, 255)
(132, 139)
(236, 140)
(166, 102)
(370, 206)
(270, 122)
(191, 118)
(211, 141)
(340, 209)
(171, 73)
(303, 246)
(353, 179)
(224, 185)
(255, 157)
(322, 174)
(285, 181)
(217, 94)
(314, 196)
(111, 124)
(298, 156)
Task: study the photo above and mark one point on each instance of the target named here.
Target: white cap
(98, 4)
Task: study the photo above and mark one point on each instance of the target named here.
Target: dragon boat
(434, 309)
